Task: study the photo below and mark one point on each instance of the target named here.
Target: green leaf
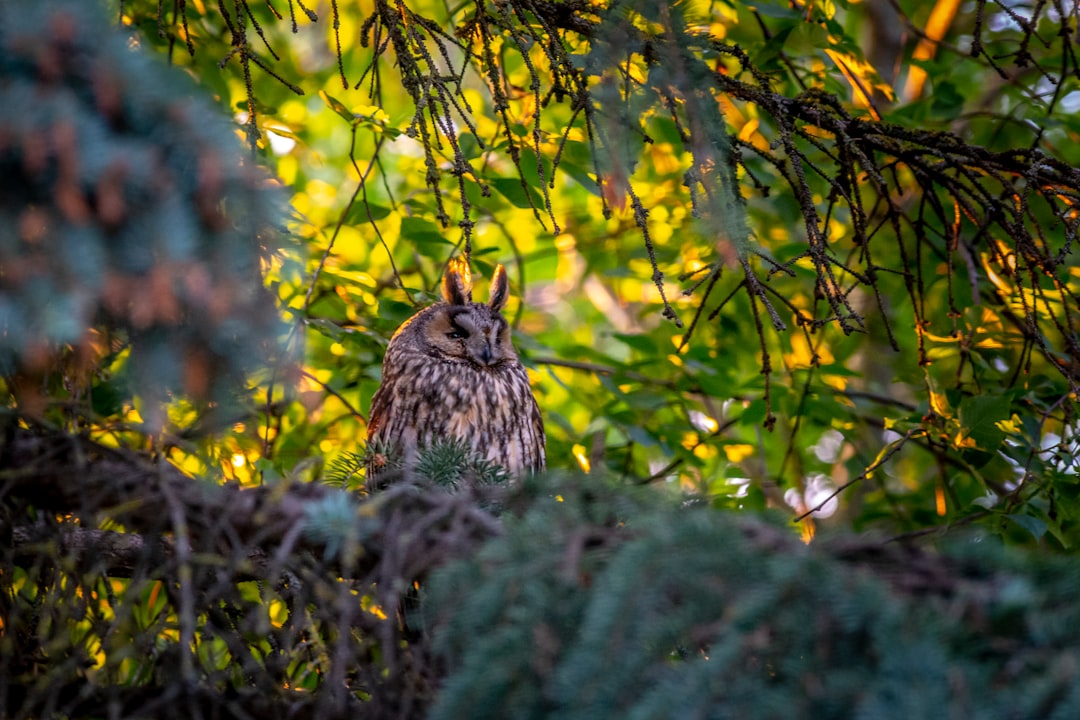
(768, 56)
(422, 231)
(642, 343)
(470, 146)
(269, 472)
(1067, 497)
(664, 129)
(1033, 525)
(337, 106)
(362, 212)
(107, 398)
(979, 417)
(640, 436)
(779, 12)
(947, 101)
(395, 311)
(754, 414)
(518, 195)
(326, 327)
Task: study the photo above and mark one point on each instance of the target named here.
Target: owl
(451, 373)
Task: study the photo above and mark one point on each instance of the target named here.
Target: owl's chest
(491, 409)
(457, 400)
(437, 398)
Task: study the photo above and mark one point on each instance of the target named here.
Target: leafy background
(929, 383)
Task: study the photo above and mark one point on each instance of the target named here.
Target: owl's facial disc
(474, 333)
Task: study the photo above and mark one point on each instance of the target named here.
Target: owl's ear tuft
(500, 289)
(457, 282)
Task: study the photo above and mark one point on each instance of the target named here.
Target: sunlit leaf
(338, 106)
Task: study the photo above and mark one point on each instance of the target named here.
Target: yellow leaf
(704, 452)
(1003, 287)
(636, 72)
(1012, 425)
(863, 79)
(936, 26)
(838, 382)
(582, 458)
(964, 441)
(738, 452)
(801, 355)
(939, 404)
(941, 338)
(749, 133)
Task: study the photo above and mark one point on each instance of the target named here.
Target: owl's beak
(485, 353)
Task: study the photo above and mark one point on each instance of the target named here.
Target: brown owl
(451, 373)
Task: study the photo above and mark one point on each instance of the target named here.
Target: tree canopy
(810, 259)
(751, 261)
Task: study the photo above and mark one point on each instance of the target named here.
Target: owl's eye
(457, 334)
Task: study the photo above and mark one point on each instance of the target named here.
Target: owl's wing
(378, 417)
(539, 439)
(380, 407)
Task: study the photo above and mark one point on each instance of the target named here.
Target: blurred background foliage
(687, 196)
(134, 229)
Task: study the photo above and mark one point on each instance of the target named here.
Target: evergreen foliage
(595, 605)
(451, 463)
(581, 599)
(129, 219)
(346, 470)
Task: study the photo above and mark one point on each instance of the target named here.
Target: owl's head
(460, 330)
